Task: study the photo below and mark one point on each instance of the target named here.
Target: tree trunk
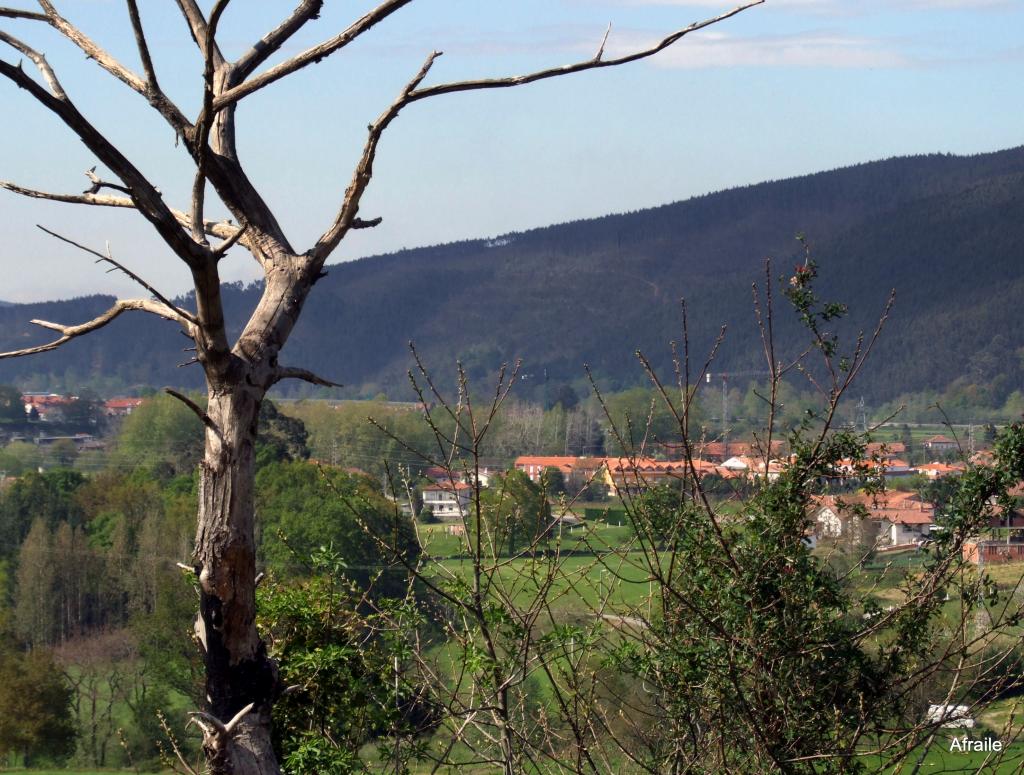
(238, 671)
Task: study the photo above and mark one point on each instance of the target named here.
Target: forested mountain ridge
(946, 232)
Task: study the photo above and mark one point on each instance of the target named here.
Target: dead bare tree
(242, 682)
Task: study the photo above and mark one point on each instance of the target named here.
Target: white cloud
(836, 7)
(813, 49)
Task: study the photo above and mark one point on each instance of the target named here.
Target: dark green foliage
(553, 481)
(515, 511)
(48, 496)
(302, 508)
(162, 435)
(565, 397)
(343, 673)
(86, 415)
(35, 708)
(757, 659)
(12, 410)
(281, 436)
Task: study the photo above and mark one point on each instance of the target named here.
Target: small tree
(12, 408)
(553, 481)
(35, 708)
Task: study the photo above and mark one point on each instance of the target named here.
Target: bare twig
(67, 333)
(197, 410)
(107, 258)
(287, 372)
(277, 38)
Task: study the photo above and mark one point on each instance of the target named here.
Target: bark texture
(238, 670)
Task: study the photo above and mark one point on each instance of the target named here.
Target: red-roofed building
(577, 472)
(940, 470)
(940, 443)
(535, 465)
(631, 475)
(121, 407)
(885, 450)
(48, 407)
(901, 518)
(719, 451)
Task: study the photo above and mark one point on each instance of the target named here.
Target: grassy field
(439, 542)
(580, 581)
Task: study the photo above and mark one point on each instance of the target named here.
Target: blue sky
(789, 87)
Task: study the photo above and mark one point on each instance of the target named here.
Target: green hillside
(946, 232)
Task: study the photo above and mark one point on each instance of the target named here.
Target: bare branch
(273, 40)
(214, 727)
(197, 27)
(198, 410)
(359, 223)
(412, 92)
(140, 42)
(82, 199)
(210, 725)
(39, 61)
(205, 123)
(604, 41)
(287, 372)
(98, 183)
(577, 67)
(146, 197)
(107, 258)
(309, 56)
(220, 229)
(17, 13)
(229, 243)
(72, 332)
(364, 169)
(237, 719)
(94, 51)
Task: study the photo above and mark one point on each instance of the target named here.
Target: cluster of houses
(888, 520)
(50, 407)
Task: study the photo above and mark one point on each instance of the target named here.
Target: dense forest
(946, 232)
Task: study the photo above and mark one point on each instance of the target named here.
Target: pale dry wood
(330, 239)
(39, 61)
(220, 229)
(578, 67)
(309, 56)
(197, 27)
(67, 333)
(205, 123)
(273, 40)
(147, 88)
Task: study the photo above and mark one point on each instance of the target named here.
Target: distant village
(887, 520)
(890, 518)
(54, 410)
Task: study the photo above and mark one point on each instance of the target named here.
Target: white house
(902, 517)
(446, 500)
(950, 716)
